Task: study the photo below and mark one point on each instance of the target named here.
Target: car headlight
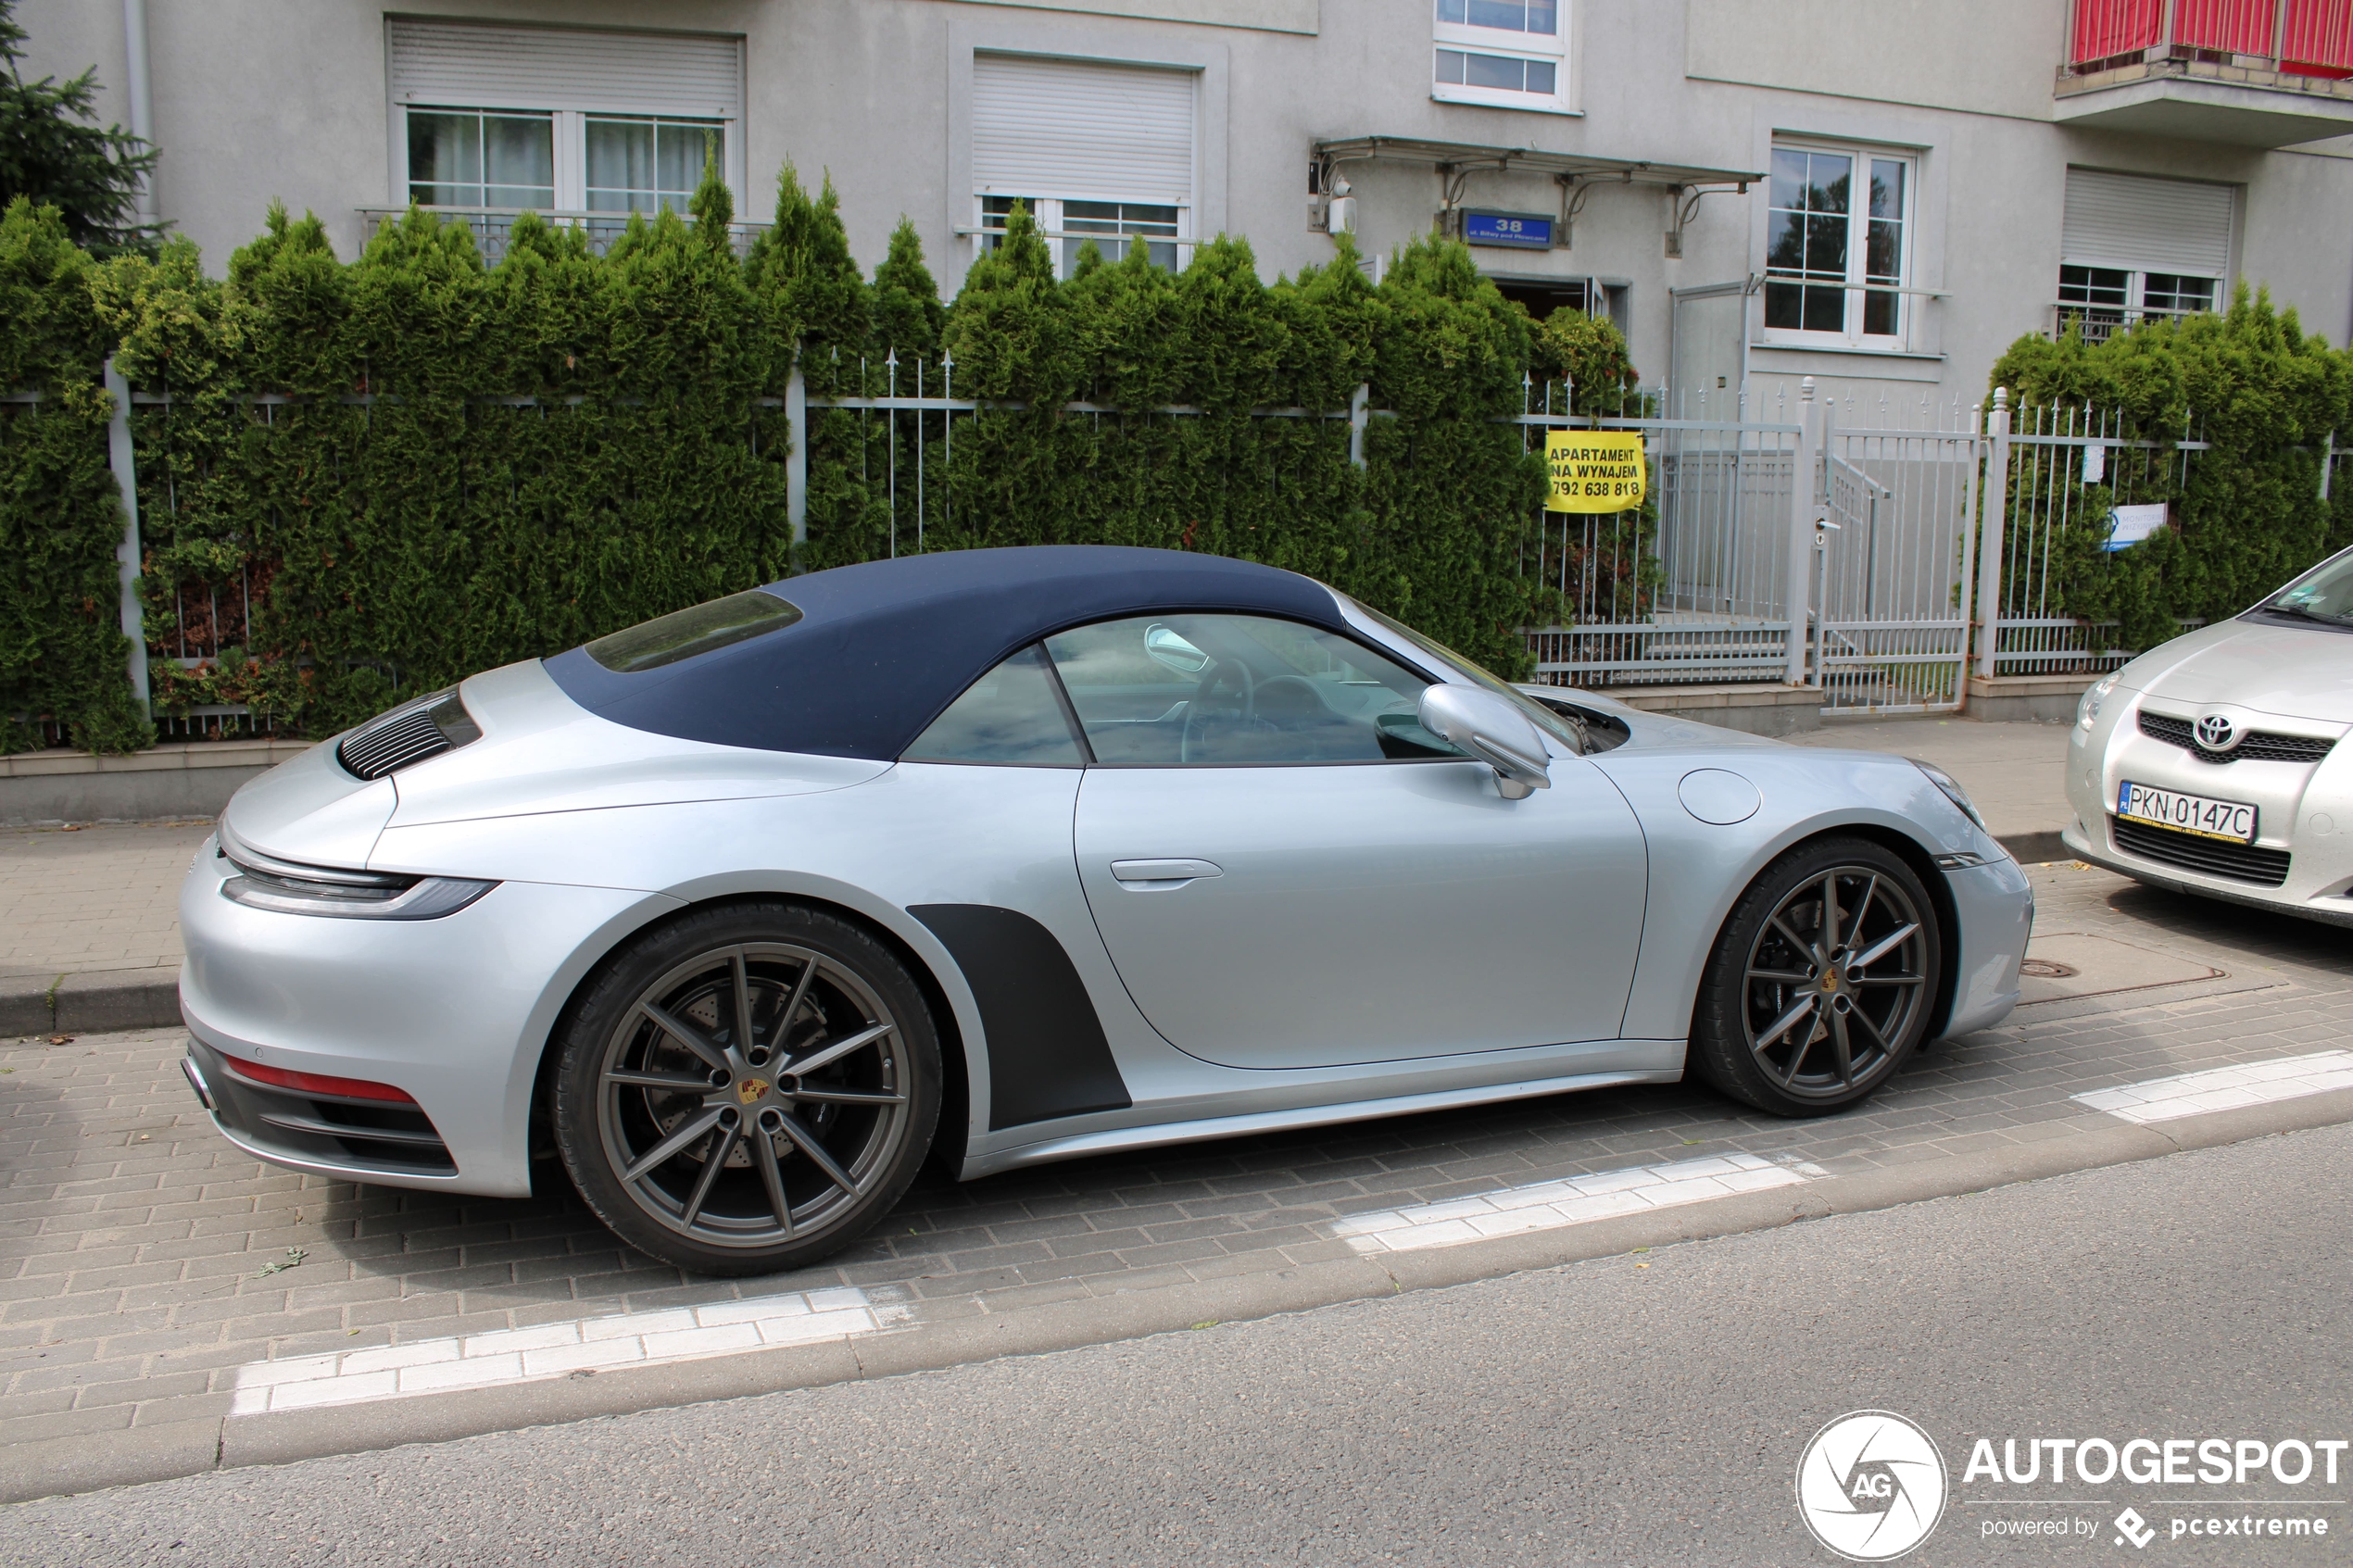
(2087, 712)
(285, 887)
(1952, 788)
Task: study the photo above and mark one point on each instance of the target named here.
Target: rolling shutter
(2142, 225)
(468, 65)
(1082, 132)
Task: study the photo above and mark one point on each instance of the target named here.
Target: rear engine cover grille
(2259, 746)
(2192, 852)
(407, 734)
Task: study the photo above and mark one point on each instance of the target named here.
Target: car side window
(1220, 690)
(1011, 716)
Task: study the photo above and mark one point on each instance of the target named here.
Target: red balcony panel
(2229, 26)
(2106, 28)
(2317, 38)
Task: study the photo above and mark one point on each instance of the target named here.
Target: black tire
(1795, 1025)
(747, 1158)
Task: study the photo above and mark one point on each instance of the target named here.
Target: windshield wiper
(2302, 614)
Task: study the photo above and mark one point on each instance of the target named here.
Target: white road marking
(558, 1350)
(2224, 1088)
(1543, 1206)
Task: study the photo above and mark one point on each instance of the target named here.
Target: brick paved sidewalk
(143, 1260)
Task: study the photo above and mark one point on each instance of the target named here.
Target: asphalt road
(1640, 1409)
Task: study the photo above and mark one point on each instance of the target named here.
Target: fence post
(1360, 403)
(2328, 461)
(1971, 519)
(1993, 521)
(127, 555)
(1798, 590)
(796, 456)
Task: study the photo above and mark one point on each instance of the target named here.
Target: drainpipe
(143, 115)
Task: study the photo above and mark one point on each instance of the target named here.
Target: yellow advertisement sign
(1594, 471)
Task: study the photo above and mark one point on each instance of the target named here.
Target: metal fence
(1783, 540)
(1778, 547)
(2058, 475)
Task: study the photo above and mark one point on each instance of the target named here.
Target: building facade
(1878, 193)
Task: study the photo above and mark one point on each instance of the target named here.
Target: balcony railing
(2310, 38)
(492, 224)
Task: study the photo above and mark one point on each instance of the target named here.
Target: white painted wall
(286, 98)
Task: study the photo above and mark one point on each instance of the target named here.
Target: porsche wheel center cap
(749, 1090)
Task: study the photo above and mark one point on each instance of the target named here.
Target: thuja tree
(481, 464)
(62, 651)
(2245, 513)
(364, 479)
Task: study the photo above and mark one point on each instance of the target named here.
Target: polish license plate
(2186, 813)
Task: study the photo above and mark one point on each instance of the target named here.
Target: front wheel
(1821, 982)
(746, 1089)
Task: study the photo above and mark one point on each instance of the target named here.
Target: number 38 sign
(1594, 471)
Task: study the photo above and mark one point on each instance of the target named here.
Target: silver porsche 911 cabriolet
(1019, 855)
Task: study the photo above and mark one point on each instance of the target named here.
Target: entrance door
(1708, 351)
(1287, 871)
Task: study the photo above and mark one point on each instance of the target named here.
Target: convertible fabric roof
(883, 647)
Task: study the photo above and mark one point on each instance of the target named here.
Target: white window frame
(1858, 250)
(1046, 213)
(2137, 309)
(571, 120)
(1556, 52)
(571, 150)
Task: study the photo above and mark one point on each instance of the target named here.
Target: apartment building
(1879, 193)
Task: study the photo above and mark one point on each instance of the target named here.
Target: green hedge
(455, 465)
(2246, 512)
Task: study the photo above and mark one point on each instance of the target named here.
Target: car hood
(2287, 670)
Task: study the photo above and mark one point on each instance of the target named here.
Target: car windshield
(2323, 594)
(1538, 714)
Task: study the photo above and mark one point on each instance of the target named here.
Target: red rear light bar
(315, 1083)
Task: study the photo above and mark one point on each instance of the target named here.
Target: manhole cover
(2048, 969)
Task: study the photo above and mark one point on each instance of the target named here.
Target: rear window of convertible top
(683, 634)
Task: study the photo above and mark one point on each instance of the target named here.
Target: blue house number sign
(1519, 230)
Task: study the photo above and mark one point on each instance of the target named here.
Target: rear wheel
(748, 1090)
(1821, 982)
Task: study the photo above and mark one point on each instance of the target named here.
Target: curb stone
(91, 1002)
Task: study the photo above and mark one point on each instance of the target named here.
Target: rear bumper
(455, 1013)
(327, 1134)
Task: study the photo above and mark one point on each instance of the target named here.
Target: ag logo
(1871, 1485)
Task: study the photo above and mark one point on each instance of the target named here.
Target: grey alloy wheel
(1823, 980)
(748, 1099)
(1833, 982)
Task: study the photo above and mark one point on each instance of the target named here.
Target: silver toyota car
(1012, 855)
(2211, 765)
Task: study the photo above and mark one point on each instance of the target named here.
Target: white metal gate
(1784, 548)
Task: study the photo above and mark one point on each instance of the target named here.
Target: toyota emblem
(2216, 732)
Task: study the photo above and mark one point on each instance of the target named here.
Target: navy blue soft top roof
(882, 647)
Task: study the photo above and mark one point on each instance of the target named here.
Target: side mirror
(1173, 652)
(1492, 730)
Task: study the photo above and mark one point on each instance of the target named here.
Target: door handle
(1148, 873)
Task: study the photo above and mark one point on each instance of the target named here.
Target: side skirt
(1168, 1132)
